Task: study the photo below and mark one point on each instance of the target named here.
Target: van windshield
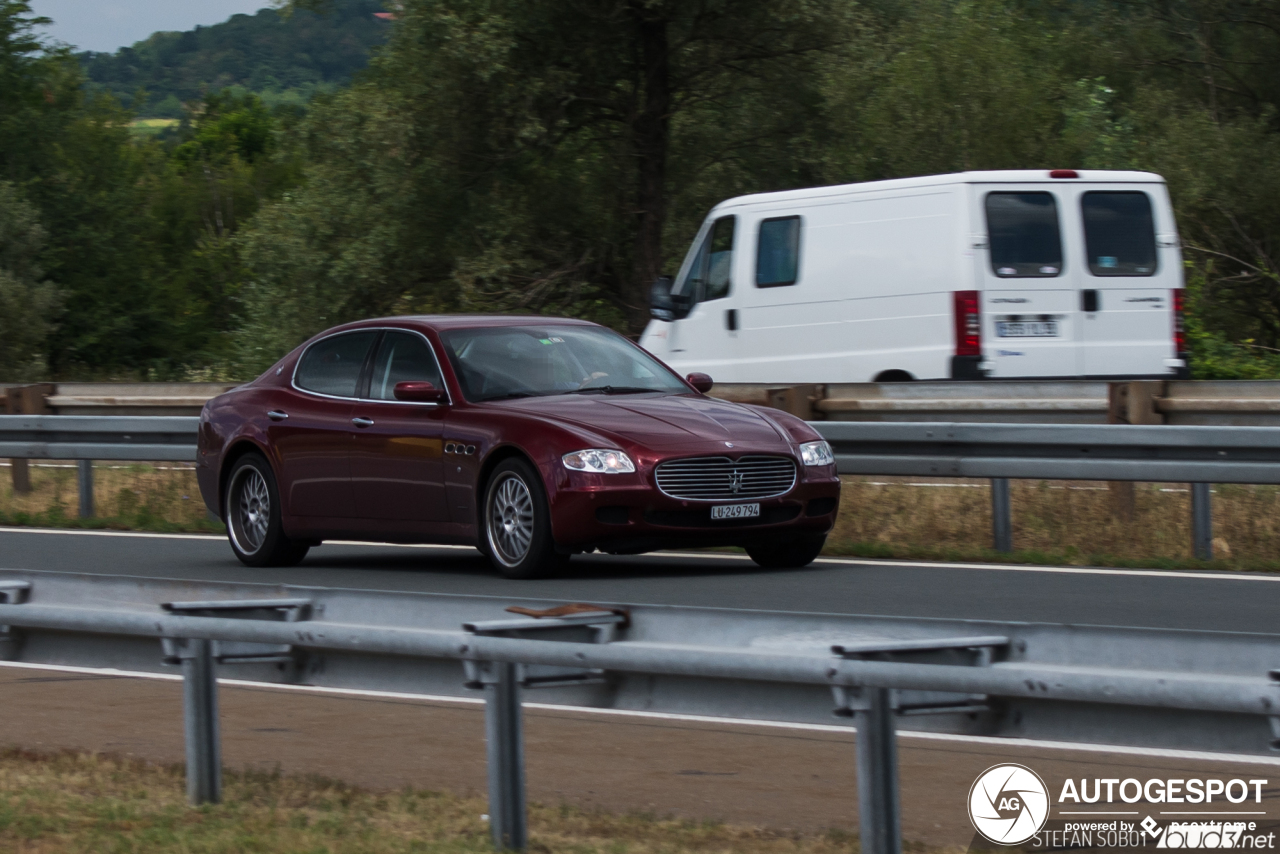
(1119, 234)
(1024, 236)
(708, 275)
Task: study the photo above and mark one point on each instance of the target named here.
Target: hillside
(285, 58)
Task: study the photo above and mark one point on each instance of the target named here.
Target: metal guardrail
(1071, 683)
(97, 437)
(1196, 455)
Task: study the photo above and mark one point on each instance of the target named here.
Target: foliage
(285, 58)
(28, 303)
(506, 156)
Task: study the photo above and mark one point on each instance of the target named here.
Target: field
(1060, 522)
(78, 802)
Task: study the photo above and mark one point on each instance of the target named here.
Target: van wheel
(516, 524)
(788, 554)
(251, 509)
(894, 377)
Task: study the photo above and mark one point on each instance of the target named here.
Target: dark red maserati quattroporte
(531, 438)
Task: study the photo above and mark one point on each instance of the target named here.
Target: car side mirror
(420, 392)
(701, 382)
(661, 306)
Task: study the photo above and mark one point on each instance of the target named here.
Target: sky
(107, 25)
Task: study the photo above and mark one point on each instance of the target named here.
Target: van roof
(1003, 176)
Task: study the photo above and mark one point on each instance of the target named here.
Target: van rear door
(1028, 302)
(1126, 287)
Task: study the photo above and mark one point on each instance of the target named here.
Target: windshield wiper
(614, 389)
(514, 394)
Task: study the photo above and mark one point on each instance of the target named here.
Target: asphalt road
(1208, 601)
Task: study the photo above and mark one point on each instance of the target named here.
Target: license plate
(1027, 329)
(735, 511)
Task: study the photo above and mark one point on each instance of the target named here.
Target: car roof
(441, 322)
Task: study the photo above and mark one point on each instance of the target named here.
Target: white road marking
(839, 561)
(991, 741)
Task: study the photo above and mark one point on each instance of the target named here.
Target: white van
(1013, 274)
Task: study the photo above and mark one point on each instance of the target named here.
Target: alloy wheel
(511, 520)
(251, 510)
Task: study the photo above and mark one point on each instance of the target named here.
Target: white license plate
(1027, 329)
(735, 511)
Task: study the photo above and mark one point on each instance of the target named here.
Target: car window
(1119, 233)
(778, 252)
(332, 366)
(531, 361)
(402, 357)
(1023, 232)
(708, 277)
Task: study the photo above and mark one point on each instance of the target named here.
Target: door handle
(731, 319)
(277, 415)
(1089, 302)
(362, 422)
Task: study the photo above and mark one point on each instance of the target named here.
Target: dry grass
(1055, 521)
(79, 802)
(159, 497)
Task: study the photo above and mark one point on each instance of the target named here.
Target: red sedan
(530, 438)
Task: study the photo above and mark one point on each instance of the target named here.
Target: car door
(706, 339)
(310, 426)
(397, 471)
(1029, 311)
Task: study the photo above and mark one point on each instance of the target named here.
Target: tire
(251, 508)
(516, 523)
(789, 554)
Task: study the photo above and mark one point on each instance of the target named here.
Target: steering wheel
(596, 375)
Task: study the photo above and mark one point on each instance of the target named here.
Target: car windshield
(531, 361)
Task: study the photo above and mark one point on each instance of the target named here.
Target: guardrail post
(84, 480)
(1202, 521)
(504, 731)
(879, 819)
(1001, 515)
(200, 718)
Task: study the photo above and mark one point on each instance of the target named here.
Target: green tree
(28, 303)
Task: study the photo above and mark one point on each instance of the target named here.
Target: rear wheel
(517, 523)
(788, 554)
(252, 513)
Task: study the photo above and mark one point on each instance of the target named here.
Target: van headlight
(600, 460)
(817, 454)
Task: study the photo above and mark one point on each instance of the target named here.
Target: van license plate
(735, 511)
(1027, 329)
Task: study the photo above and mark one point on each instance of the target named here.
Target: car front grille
(723, 479)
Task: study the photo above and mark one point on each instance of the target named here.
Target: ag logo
(1008, 804)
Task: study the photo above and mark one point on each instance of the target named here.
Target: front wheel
(517, 523)
(252, 513)
(788, 554)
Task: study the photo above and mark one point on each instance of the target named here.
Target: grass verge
(80, 802)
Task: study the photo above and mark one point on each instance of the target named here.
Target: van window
(708, 276)
(778, 252)
(402, 357)
(332, 366)
(1023, 234)
(1119, 233)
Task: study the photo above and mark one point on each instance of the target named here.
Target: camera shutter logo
(1008, 804)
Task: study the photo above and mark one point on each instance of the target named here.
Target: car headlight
(817, 454)
(600, 460)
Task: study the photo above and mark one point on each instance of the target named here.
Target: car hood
(657, 421)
